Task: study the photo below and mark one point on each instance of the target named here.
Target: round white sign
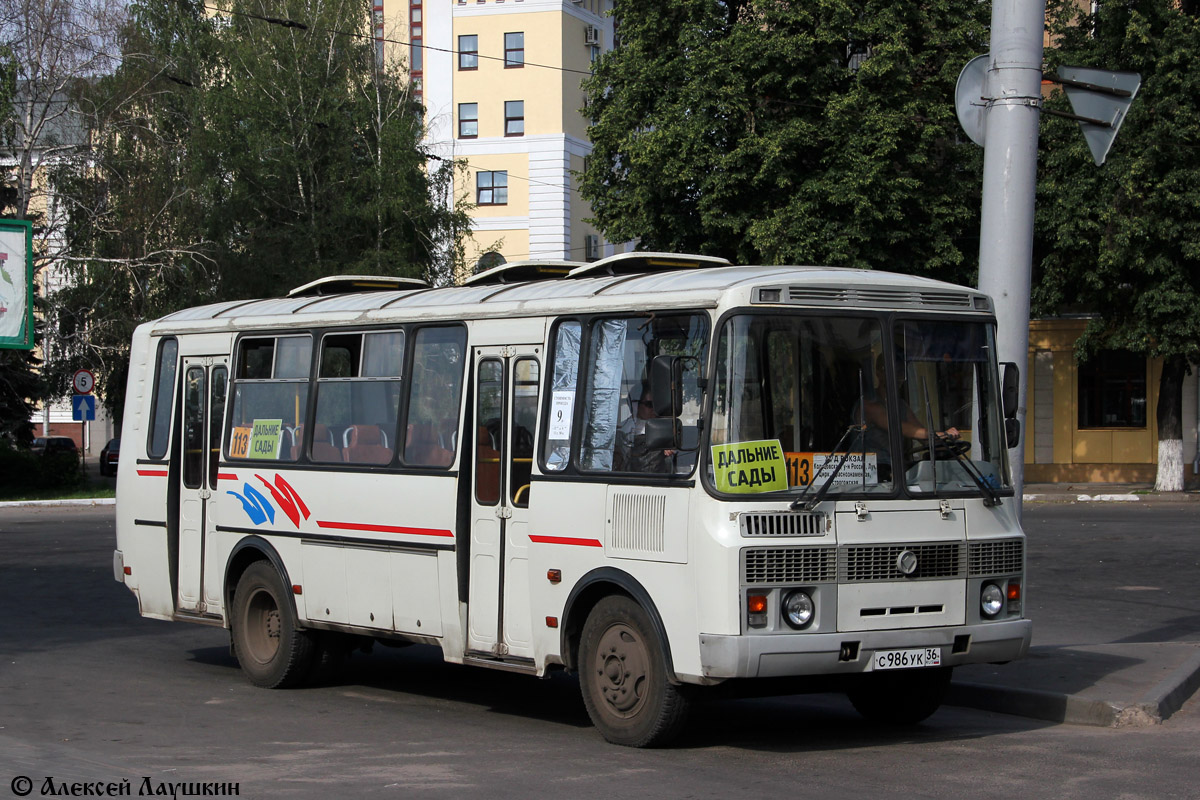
(84, 381)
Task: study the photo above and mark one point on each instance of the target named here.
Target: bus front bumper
(779, 655)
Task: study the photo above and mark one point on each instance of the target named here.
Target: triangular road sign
(1101, 98)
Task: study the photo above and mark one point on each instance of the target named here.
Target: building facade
(500, 81)
(1097, 421)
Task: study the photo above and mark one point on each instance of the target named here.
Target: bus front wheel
(623, 676)
(902, 697)
(269, 645)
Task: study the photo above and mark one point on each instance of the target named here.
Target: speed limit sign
(83, 382)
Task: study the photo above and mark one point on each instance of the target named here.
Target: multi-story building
(500, 80)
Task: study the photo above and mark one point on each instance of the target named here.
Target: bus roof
(687, 286)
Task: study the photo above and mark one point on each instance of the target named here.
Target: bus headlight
(991, 600)
(798, 609)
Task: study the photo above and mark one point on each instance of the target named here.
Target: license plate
(907, 659)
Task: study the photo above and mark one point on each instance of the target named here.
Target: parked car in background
(108, 457)
(51, 445)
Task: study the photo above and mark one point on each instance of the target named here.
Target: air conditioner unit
(591, 247)
(591, 35)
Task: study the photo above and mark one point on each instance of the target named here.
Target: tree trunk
(1170, 425)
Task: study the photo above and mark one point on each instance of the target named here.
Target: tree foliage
(819, 132)
(237, 158)
(1122, 241)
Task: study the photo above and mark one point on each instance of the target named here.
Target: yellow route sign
(750, 467)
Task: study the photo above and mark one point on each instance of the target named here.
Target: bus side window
(435, 393)
(525, 408)
(164, 392)
(556, 454)
(270, 397)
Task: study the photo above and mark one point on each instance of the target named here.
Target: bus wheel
(903, 697)
(623, 676)
(268, 643)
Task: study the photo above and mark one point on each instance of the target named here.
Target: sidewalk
(1104, 493)
(1131, 681)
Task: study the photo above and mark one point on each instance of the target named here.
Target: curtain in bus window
(606, 366)
(567, 345)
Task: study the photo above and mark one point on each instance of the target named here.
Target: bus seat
(487, 466)
(421, 447)
(323, 448)
(365, 445)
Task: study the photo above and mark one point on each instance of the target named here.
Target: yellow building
(1095, 421)
(500, 80)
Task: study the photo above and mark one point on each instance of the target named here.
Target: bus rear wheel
(267, 640)
(623, 677)
(903, 697)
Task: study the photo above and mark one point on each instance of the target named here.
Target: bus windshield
(820, 396)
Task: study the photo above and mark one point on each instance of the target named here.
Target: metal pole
(1014, 89)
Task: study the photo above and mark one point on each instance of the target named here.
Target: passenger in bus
(911, 428)
(632, 454)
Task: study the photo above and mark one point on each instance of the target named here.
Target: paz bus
(661, 472)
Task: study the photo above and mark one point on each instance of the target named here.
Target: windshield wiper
(991, 498)
(820, 495)
(862, 429)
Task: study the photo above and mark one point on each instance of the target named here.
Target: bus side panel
(568, 533)
(142, 489)
(367, 549)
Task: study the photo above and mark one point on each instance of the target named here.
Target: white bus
(662, 472)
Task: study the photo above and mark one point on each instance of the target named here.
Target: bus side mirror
(1012, 432)
(1009, 396)
(1011, 386)
(666, 385)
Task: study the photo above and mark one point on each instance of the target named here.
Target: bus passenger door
(505, 419)
(205, 380)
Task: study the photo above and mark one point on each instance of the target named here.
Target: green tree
(819, 132)
(241, 155)
(1123, 241)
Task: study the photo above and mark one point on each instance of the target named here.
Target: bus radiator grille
(764, 565)
(997, 557)
(878, 562)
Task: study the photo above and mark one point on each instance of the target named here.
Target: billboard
(16, 284)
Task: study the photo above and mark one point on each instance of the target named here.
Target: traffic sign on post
(83, 381)
(83, 408)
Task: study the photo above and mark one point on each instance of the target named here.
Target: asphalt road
(90, 692)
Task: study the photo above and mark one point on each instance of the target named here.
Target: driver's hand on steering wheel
(949, 433)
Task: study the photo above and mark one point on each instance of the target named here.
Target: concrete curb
(94, 501)
(1157, 705)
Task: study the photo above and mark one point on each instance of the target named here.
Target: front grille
(764, 565)
(800, 524)
(878, 562)
(997, 557)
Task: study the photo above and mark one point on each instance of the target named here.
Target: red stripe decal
(359, 526)
(227, 476)
(565, 540)
(152, 473)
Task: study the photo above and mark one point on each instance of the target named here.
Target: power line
(289, 23)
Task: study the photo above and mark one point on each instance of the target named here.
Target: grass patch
(105, 489)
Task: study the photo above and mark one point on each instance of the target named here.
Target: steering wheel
(943, 448)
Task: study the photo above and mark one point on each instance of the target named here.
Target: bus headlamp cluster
(798, 609)
(991, 600)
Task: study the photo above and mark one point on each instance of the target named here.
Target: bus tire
(267, 640)
(623, 676)
(903, 697)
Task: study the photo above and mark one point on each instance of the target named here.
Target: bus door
(505, 418)
(205, 379)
